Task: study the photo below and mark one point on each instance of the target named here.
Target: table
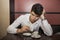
(21, 37)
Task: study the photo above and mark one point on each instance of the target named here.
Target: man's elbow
(8, 30)
(50, 34)
(12, 31)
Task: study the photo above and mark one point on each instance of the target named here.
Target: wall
(4, 17)
(25, 6)
(51, 6)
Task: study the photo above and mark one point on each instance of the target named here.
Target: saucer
(27, 34)
(35, 36)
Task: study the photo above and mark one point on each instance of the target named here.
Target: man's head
(36, 12)
(37, 9)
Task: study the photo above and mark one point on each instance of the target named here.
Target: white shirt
(24, 20)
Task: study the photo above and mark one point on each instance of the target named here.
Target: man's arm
(13, 27)
(46, 27)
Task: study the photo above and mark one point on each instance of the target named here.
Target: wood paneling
(53, 19)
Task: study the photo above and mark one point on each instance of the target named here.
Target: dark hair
(37, 9)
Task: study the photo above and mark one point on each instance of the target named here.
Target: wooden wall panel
(53, 19)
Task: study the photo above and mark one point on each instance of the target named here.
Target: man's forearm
(47, 28)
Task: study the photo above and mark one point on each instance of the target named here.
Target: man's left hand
(42, 16)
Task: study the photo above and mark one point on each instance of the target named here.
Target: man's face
(34, 17)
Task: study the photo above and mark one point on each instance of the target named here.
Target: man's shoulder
(27, 14)
(23, 16)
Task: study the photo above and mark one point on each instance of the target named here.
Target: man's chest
(33, 26)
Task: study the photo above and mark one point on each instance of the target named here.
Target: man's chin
(34, 21)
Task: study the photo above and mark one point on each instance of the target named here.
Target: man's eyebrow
(32, 14)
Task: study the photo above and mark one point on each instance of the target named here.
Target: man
(31, 22)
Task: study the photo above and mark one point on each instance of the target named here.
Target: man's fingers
(25, 28)
(43, 11)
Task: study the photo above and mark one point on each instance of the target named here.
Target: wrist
(19, 31)
(44, 18)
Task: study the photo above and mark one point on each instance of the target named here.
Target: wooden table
(21, 37)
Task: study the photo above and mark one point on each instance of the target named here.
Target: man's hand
(42, 16)
(23, 29)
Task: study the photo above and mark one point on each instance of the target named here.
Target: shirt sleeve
(46, 27)
(13, 27)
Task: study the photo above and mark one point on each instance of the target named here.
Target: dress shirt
(24, 20)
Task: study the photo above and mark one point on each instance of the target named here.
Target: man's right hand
(23, 29)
